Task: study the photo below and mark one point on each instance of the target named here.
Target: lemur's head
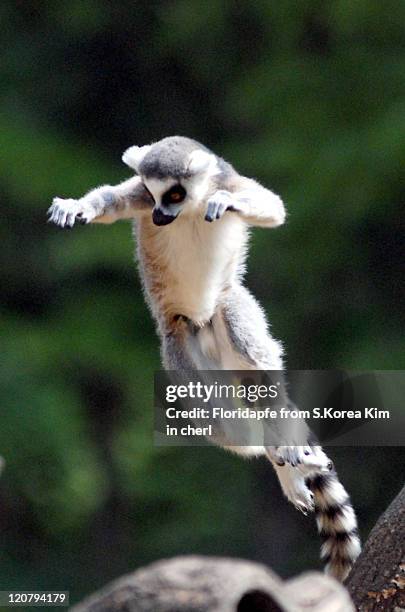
(176, 171)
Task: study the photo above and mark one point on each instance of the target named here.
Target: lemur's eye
(174, 195)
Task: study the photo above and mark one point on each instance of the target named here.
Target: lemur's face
(177, 174)
(173, 195)
(169, 195)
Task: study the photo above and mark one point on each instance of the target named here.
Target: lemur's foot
(218, 203)
(307, 459)
(293, 484)
(66, 213)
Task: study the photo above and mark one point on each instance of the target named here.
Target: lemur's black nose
(160, 218)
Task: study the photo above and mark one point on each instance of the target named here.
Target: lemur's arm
(255, 204)
(105, 204)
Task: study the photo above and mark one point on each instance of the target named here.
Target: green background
(307, 97)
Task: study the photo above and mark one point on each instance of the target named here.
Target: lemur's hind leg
(244, 343)
(182, 348)
(305, 473)
(186, 346)
(244, 340)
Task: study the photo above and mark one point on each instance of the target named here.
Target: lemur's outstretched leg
(105, 204)
(306, 474)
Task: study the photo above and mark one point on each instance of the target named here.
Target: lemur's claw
(80, 219)
(65, 213)
(215, 210)
(211, 213)
(217, 205)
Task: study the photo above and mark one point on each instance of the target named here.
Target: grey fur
(224, 327)
(242, 314)
(108, 197)
(169, 157)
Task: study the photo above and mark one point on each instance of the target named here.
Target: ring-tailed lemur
(192, 212)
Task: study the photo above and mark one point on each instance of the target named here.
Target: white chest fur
(201, 259)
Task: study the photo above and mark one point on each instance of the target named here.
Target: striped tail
(337, 524)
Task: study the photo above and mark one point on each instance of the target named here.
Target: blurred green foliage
(306, 96)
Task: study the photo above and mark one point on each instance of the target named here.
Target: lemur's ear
(133, 156)
(201, 161)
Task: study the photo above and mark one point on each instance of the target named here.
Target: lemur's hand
(66, 212)
(218, 204)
